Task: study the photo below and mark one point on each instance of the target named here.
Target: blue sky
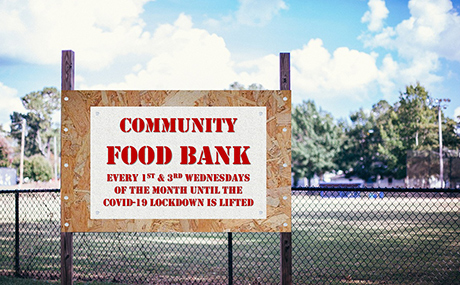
(345, 54)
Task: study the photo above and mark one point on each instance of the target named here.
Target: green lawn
(335, 241)
(23, 281)
(390, 241)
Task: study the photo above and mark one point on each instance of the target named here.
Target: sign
(176, 161)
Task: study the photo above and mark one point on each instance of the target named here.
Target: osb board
(75, 159)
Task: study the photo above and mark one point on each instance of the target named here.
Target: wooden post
(285, 71)
(230, 258)
(67, 70)
(285, 238)
(67, 83)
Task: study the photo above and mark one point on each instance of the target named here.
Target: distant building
(8, 176)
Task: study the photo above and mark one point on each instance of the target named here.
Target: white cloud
(250, 13)
(431, 32)
(433, 27)
(345, 73)
(183, 57)
(10, 103)
(316, 73)
(388, 74)
(457, 114)
(378, 12)
(190, 58)
(258, 12)
(36, 31)
(263, 71)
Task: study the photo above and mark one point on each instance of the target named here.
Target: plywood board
(76, 159)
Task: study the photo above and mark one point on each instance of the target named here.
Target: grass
(394, 241)
(335, 241)
(23, 281)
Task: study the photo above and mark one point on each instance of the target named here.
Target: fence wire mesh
(348, 237)
(152, 258)
(38, 252)
(354, 236)
(256, 258)
(7, 234)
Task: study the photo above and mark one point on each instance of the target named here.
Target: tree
(315, 141)
(32, 131)
(377, 143)
(450, 137)
(390, 145)
(359, 154)
(41, 106)
(5, 152)
(415, 124)
(41, 169)
(417, 120)
(36, 168)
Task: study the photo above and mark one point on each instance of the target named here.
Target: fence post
(67, 83)
(16, 235)
(230, 258)
(285, 238)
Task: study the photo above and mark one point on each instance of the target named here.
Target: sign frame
(75, 159)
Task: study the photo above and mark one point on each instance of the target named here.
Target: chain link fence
(351, 236)
(376, 237)
(30, 233)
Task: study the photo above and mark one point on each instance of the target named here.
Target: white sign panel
(178, 163)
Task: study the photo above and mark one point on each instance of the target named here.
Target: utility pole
(21, 165)
(441, 164)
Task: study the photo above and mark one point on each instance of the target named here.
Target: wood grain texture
(75, 183)
(67, 83)
(66, 258)
(285, 237)
(67, 70)
(285, 71)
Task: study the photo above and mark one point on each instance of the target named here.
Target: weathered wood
(67, 70)
(66, 258)
(285, 237)
(285, 71)
(67, 83)
(75, 184)
(286, 258)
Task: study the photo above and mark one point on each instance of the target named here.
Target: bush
(5, 152)
(36, 168)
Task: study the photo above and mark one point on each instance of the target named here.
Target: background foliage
(371, 144)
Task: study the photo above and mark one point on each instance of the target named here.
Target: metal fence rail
(340, 236)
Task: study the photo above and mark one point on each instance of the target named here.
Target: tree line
(39, 135)
(371, 144)
(40, 132)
